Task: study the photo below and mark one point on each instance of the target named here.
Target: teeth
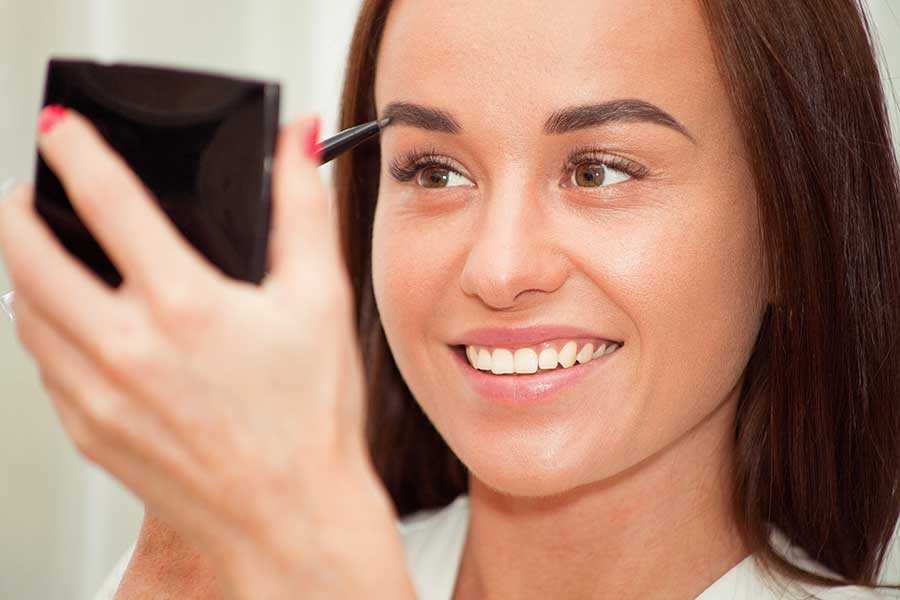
(472, 355)
(585, 353)
(567, 355)
(484, 360)
(526, 360)
(501, 361)
(547, 359)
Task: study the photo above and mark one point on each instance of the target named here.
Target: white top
(433, 541)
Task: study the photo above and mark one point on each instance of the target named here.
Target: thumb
(302, 236)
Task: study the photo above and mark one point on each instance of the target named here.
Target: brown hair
(816, 431)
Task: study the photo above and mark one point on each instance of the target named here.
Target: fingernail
(313, 150)
(50, 116)
(6, 186)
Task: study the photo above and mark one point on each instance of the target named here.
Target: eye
(597, 174)
(439, 176)
(428, 168)
(593, 167)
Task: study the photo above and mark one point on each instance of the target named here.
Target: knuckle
(105, 414)
(88, 418)
(48, 380)
(86, 442)
(131, 357)
(24, 332)
(180, 307)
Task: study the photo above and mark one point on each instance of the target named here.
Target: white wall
(64, 522)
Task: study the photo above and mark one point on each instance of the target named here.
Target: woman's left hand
(235, 411)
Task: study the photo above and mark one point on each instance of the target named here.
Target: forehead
(511, 62)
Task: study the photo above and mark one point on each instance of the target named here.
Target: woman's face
(511, 235)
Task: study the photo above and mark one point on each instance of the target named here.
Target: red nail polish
(313, 150)
(50, 116)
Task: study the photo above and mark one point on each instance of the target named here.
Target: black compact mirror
(201, 143)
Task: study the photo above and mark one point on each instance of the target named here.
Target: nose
(513, 250)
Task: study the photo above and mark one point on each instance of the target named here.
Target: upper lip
(524, 336)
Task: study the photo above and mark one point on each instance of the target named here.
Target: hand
(235, 411)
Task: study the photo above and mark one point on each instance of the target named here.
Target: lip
(520, 390)
(525, 336)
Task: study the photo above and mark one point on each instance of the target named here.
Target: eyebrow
(571, 118)
(424, 117)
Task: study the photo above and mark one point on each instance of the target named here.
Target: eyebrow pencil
(350, 138)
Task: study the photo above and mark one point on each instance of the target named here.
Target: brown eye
(586, 170)
(434, 177)
(589, 175)
(437, 176)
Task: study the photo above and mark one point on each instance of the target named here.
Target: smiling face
(628, 228)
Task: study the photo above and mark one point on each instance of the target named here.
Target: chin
(518, 472)
(526, 487)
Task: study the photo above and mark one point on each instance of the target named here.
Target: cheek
(410, 279)
(689, 280)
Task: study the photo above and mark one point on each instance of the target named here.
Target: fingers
(303, 245)
(91, 410)
(133, 230)
(58, 284)
(106, 426)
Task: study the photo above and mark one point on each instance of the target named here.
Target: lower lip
(525, 390)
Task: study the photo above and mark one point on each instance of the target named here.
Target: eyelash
(406, 166)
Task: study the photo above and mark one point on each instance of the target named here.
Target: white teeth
(567, 355)
(501, 361)
(526, 360)
(484, 360)
(584, 354)
(547, 360)
(472, 355)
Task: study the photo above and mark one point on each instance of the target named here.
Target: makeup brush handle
(347, 139)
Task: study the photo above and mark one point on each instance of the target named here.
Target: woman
(705, 190)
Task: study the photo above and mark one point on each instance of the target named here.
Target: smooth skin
(619, 488)
(234, 411)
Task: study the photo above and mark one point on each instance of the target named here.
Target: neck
(664, 528)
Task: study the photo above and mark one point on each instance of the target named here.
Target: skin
(166, 565)
(619, 487)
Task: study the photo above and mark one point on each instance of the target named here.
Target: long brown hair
(816, 431)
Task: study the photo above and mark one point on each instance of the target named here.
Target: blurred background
(63, 521)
